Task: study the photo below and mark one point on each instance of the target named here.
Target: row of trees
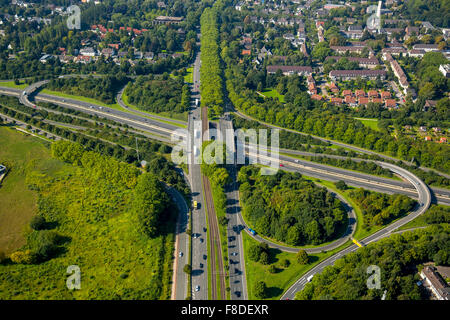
(288, 208)
(210, 70)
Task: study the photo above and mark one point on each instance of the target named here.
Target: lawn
(11, 84)
(371, 123)
(280, 281)
(272, 93)
(21, 154)
(189, 77)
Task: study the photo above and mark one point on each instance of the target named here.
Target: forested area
(399, 257)
(103, 89)
(210, 70)
(381, 209)
(288, 208)
(437, 12)
(158, 94)
(116, 224)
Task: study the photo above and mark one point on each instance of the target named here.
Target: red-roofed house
(347, 93)
(246, 52)
(385, 94)
(372, 94)
(360, 93)
(350, 100)
(363, 100)
(377, 100)
(390, 103)
(427, 138)
(443, 140)
(336, 100)
(333, 87)
(316, 97)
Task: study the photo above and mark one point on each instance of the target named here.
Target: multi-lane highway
(199, 225)
(179, 280)
(238, 282)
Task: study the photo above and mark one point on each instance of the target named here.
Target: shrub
(38, 223)
(260, 290)
(22, 257)
(302, 257)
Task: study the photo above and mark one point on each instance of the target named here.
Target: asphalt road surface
(199, 225)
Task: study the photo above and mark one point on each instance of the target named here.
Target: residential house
(426, 47)
(167, 20)
(352, 74)
(390, 103)
(88, 52)
(289, 70)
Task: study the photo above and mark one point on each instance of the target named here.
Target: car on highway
(201, 265)
(180, 254)
(197, 288)
(204, 229)
(309, 278)
(234, 253)
(195, 204)
(92, 107)
(204, 257)
(231, 238)
(237, 293)
(281, 165)
(201, 240)
(63, 100)
(296, 160)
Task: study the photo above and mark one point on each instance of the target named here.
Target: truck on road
(309, 278)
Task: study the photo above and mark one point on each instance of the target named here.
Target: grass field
(371, 123)
(272, 93)
(189, 77)
(280, 281)
(95, 218)
(11, 84)
(21, 154)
